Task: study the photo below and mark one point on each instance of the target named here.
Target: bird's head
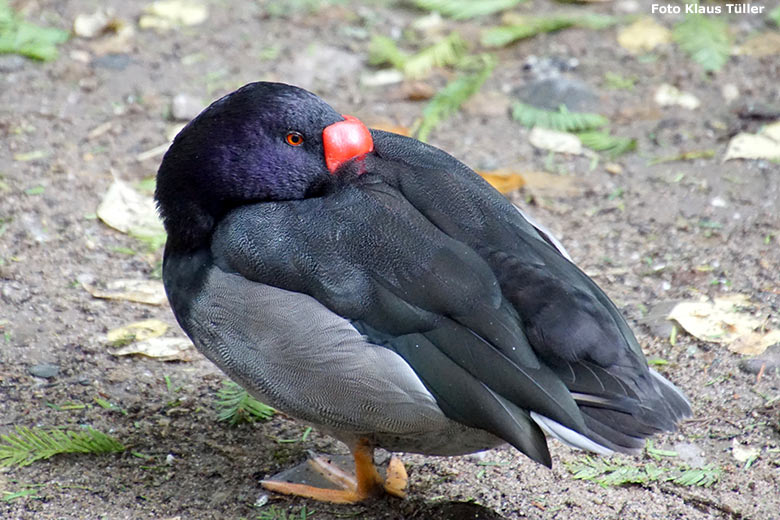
(263, 142)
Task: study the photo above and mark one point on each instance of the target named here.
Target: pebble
(185, 107)
(44, 370)
(770, 360)
(690, 454)
(15, 293)
(112, 61)
(11, 63)
(551, 93)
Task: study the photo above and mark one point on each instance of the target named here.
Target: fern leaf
(607, 473)
(706, 39)
(449, 99)
(528, 26)
(504, 35)
(235, 405)
(774, 15)
(448, 51)
(612, 145)
(383, 50)
(465, 9)
(560, 119)
(704, 476)
(20, 37)
(28, 445)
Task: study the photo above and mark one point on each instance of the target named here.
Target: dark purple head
(263, 142)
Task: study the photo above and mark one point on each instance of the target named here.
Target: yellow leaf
(137, 331)
(727, 320)
(150, 292)
(764, 44)
(163, 349)
(504, 180)
(644, 35)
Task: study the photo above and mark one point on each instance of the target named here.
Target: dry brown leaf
(136, 331)
(504, 180)
(764, 44)
(726, 320)
(552, 185)
(643, 35)
(164, 349)
(168, 14)
(391, 127)
(150, 292)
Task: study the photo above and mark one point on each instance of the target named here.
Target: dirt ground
(649, 235)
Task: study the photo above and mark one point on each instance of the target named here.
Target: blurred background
(645, 135)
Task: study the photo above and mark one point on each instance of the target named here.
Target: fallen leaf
(726, 320)
(503, 180)
(150, 292)
(561, 142)
(764, 44)
(552, 185)
(168, 14)
(164, 349)
(128, 211)
(643, 35)
(389, 126)
(764, 145)
(136, 331)
(669, 95)
(417, 90)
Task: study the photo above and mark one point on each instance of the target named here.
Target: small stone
(116, 61)
(11, 63)
(551, 93)
(613, 168)
(44, 370)
(185, 107)
(169, 459)
(718, 202)
(730, 92)
(769, 361)
(690, 454)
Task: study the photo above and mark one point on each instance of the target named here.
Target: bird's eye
(293, 139)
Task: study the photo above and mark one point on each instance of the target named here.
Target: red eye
(294, 139)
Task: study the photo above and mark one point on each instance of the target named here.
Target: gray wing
(293, 353)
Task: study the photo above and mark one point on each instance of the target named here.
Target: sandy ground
(650, 235)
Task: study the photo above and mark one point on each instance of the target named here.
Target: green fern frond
(383, 50)
(236, 406)
(705, 39)
(527, 27)
(28, 445)
(611, 145)
(20, 37)
(560, 119)
(449, 99)
(446, 52)
(704, 476)
(506, 34)
(774, 15)
(607, 473)
(465, 9)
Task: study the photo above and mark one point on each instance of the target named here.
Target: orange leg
(366, 484)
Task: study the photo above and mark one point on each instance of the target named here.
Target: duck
(376, 288)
